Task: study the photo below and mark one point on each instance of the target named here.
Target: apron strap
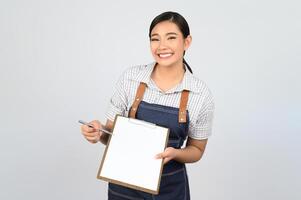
(183, 106)
(138, 99)
(139, 96)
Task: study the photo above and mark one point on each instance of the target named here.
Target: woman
(165, 93)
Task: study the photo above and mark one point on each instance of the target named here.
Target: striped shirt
(200, 104)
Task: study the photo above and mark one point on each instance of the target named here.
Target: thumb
(96, 124)
(166, 160)
(159, 156)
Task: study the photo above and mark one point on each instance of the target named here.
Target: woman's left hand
(169, 154)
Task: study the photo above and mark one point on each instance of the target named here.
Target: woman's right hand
(92, 134)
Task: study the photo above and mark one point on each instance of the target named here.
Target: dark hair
(176, 18)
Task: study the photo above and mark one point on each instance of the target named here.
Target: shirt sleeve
(118, 102)
(201, 128)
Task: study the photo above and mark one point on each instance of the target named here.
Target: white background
(60, 59)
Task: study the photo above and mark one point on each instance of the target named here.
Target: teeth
(165, 55)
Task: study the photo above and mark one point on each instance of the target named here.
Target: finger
(166, 160)
(162, 155)
(85, 128)
(94, 139)
(91, 137)
(91, 134)
(158, 156)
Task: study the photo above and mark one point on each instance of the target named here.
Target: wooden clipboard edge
(155, 192)
(135, 187)
(106, 149)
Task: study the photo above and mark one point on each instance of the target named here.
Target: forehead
(165, 27)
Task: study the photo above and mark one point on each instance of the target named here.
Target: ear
(187, 42)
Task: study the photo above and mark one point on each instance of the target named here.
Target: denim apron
(174, 180)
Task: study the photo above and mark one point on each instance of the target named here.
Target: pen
(102, 130)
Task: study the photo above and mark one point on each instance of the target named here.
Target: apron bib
(174, 181)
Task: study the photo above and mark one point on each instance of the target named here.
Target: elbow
(198, 154)
(198, 157)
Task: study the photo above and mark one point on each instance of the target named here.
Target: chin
(165, 63)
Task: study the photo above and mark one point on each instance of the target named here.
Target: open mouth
(165, 55)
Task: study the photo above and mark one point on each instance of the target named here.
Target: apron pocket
(117, 192)
(174, 185)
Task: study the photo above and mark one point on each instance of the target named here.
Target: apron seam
(172, 173)
(124, 195)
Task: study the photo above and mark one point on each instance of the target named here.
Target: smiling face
(168, 44)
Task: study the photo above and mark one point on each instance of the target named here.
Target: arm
(201, 128)
(193, 152)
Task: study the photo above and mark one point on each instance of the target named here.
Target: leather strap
(183, 106)
(138, 99)
(139, 96)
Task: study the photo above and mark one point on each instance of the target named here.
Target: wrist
(176, 153)
(103, 139)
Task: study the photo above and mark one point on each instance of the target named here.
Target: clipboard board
(129, 158)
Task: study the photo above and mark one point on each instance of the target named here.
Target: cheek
(179, 48)
(153, 48)
(175, 44)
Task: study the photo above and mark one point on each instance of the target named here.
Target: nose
(162, 45)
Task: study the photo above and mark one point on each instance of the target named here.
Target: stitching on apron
(151, 107)
(123, 195)
(185, 178)
(172, 173)
(174, 141)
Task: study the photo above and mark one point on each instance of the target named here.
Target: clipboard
(129, 157)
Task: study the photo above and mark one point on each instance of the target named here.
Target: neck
(169, 73)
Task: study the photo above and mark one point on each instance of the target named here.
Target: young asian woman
(164, 92)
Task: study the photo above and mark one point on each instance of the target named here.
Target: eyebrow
(169, 33)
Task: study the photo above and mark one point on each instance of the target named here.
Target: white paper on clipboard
(129, 158)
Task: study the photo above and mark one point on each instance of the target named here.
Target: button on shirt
(200, 104)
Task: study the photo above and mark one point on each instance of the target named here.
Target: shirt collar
(188, 82)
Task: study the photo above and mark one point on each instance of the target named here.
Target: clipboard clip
(142, 123)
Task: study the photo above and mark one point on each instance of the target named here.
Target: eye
(172, 38)
(154, 39)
